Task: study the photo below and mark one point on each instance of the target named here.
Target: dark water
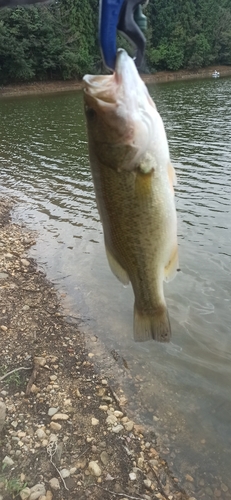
(182, 390)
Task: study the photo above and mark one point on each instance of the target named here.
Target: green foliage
(189, 33)
(60, 41)
(12, 486)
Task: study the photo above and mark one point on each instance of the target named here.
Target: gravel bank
(64, 433)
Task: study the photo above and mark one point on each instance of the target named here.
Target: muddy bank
(64, 432)
(66, 86)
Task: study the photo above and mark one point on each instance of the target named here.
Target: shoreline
(48, 87)
(65, 432)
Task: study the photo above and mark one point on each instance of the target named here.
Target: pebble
(118, 414)
(65, 473)
(132, 476)
(60, 416)
(117, 428)
(49, 495)
(111, 420)
(129, 425)
(73, 470)
(55, 426)
(8, 461)
(52, 411)
(147, 483)
(189, 478)
(25, 493)
(3, 328)
(103, 407)
(104, 457)
(3, 276)
(94, 468)
(94, 421)
(25, 262)
(54, 483)
(37, 491)
(53, 377)
(40, 434)
(104, 381)
(2, 415)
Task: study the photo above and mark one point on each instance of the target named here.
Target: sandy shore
(70, 85)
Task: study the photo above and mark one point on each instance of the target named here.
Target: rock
(147, 483)
(25, 262)
(3, 276)
(8, 461)
(118, 414)
(53, 377)
(54, 484)
(153, 463)
(104, 457)
(94, 421)
(49, 495)
(40, 433)
(94, 469)
(60, 416)
(189, 478)
(25, 493)
(65, 473)
(132, 476)
(2, 414)
(103, 407)
(104, 381)
(40, 360)
(117, 428)
(129, 425)
(3, 328)
(55, 426)
(34, 389)
(52, 411)
(73, 470)
(111, 420)
(37, 491)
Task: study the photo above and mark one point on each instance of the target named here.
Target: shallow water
(185, 385)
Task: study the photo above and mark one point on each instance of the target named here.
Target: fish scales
(137, 210)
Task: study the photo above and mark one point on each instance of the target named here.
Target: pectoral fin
(116, 268)
(172, 266)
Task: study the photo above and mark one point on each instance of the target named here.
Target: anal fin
(172, 176)
(170, 269)
(154, 326)
(116, 268)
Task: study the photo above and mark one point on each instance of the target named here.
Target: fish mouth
(120, 107)
(122, 85)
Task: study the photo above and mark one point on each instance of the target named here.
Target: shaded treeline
(59, 40)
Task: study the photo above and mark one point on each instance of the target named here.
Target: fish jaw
(123, 120)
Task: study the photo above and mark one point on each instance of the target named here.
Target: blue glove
(119, 14)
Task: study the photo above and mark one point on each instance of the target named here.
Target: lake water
(181, 390)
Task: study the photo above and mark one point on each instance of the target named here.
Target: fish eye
(90, 113)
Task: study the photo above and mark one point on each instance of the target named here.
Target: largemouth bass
(133, 179)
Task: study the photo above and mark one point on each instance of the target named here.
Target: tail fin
(156, 326)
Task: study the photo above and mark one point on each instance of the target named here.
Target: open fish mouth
(122, 105)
